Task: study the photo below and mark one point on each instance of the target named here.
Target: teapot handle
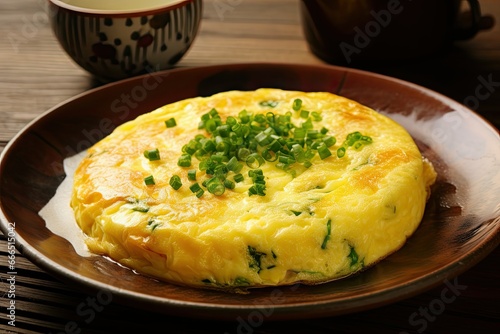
(477, 22)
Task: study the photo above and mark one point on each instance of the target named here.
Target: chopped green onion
(328, 233)
(170, 123)
(230, 120)
(254, 139)
(297, 104)
(138, 205)
(270, 104)
(238, 178)
(192, 174)
(149, 180)
(341, 152)
(329, 141)
(366, 139)
(255, 160)
(229, 184)
(259, 179)
(353, 256)
(207, 145)
(315, 144)
(313, 134)
(220, 144)
(298, 153)
(175, 182)
(191, 147)
(215, 186)
(324, 152)
(269, 155)
(259, 118)
(184, 160)
(152, 155)
(352, 138)
(213, 112)
(255, 172)
(309, 154)
(355, 139)
(244, 117)
(197, 190)
(299, 133)
(243, 153)
(275, 145)
(259, 185)
(210, 125)
(141, 207)
(223, 130)
(270, 117)
(263, 139)
(307, 124)
(286, 159)
(195, 187)
(257, 189)
(233, 165)
(205, 117)
(316, 116)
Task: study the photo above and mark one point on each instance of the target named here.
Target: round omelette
(251, 189)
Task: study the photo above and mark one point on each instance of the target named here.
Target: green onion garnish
(270, 104)
(259, 184)
(307, 164)
(215, 186)
(255, 160)
(354, 139)
(254, 139)
(195, 187)
(192, 175)
(341, 152)
(269, 155)
(152, 155)
(175, 182)
(170, 123)
(184, 160)
(238, 178)
(229, 184)
(329, 141)
(316, 116)
(149, 180)
(233, 165)
(297, 104)
(328, 233)
(257, 189)
(324, 152)
(137, 204)
(353, 256)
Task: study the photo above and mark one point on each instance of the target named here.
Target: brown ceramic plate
(461, 224)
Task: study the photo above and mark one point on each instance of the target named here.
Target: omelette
(247, 189)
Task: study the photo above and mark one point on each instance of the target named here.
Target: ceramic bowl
(113, 42)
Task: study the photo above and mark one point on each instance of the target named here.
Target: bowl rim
(174, 4)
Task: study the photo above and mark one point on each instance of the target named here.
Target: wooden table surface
(35, 75)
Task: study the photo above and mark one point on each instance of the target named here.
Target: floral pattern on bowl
(118, 46)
